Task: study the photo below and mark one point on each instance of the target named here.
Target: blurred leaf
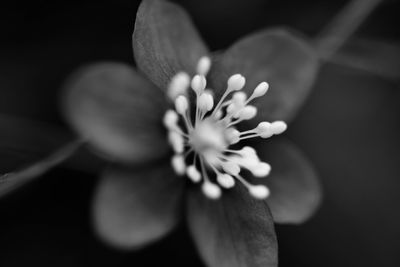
(23, 142)
(374, 56)
(13, 180)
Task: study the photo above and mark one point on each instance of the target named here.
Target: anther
(181, 104)
(178, 86)
(205, 102)
(211, 190)
(193, 173)
(198, 84)
(247, 113)
(278, 127)
(236, 82)
(260, 90)
(170, 119)
(225, 180)
(259, 191)
(178, 164)
(176, 141)
(203, 66)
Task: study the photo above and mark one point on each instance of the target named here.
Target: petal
(165, 41)
(295, 190)
(132, 209)
(235, 230)
(276, 56)
(118, 111)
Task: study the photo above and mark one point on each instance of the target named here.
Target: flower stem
(343, 25)
(12, 180)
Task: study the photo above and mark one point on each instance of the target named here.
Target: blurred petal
(132, 209)
(118, 111)
(295, 190)
(165, 41)
(285, 61)
(235, 230)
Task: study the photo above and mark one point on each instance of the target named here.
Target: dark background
(349, 128)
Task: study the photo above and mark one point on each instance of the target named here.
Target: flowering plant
(160, 122)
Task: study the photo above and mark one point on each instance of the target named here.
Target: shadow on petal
(295, 190)
(117, 111)
(233, 231)
(132, 209)
(165, 41)
(285, 61)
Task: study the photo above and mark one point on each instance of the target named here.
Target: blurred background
(349, 128)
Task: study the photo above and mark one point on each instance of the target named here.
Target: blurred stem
(12, 180)
(336, 33)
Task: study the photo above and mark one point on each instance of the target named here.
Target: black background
(349, 128)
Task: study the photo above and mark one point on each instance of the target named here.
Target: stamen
(209, 189)
(257, 191)
(198, 84)
(212, 132)
(193, 173)
(204, 66)
(181, 104)
(178, 163)
(178, 86)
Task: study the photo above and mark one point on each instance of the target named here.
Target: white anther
(239, 98)
(176, 141)
(262, 169)
(230, 167)
(178, 85)
(181, 104)
(248, 151)
(232, 135)
(193, 173)
(236, 82)
(218, 115)
(259, 191)
(170, 119)
(278, 127)
(247, 113)
(211, 190)
(249, 162)
(264, 129)
(260, 90)
(232, 108)
(205, 102)
(178, 164)
(198, 83)
(225, 180)
(203, 66)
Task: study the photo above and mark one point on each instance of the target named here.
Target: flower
(133, 118)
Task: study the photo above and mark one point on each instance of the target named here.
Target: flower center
(201, 141)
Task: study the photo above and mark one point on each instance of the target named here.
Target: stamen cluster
(201, 142)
